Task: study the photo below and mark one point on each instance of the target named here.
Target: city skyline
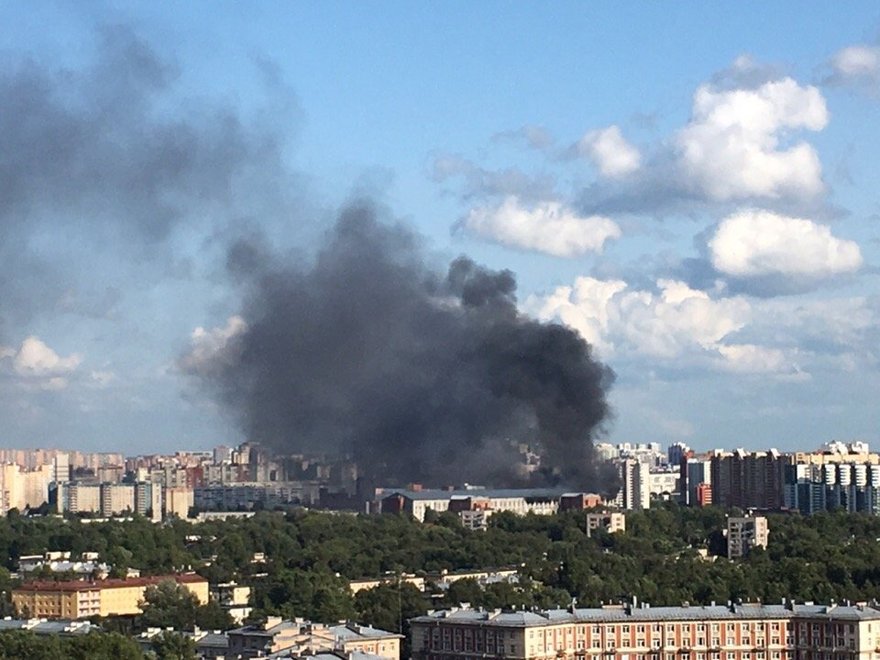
(689, 188)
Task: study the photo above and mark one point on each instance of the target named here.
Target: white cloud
(668, 323)
(35, 363)
(731, 147)
(610, 152)
(749, 358)
(675, 326)
(856, 65)
(758, 243)
(586, 306)
(547, 227)
(210, 348)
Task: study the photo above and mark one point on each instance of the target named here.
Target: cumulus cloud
(742, 144)
(749, 358)
(212, 349)
(756, 243)
(667, 323)
(856, 66)
(676, 328)
(547, 227)
(34, 363)
(730, 149)
(609, 152)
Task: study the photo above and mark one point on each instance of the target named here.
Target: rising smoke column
(422, 376)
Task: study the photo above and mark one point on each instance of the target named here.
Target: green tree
(18, 644)
(169, 645)
(168, 605)
(101, 646)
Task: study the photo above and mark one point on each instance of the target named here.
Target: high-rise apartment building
(635, 491)
(748, 480)
(732, 632)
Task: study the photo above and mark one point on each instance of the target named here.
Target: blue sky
(692, 186)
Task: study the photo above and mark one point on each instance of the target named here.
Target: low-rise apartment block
(298, 637)
(733, 632)
(610, 521)
(417, 502)
(78, 599)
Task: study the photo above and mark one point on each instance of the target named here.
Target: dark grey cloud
(700, 273)
(476, 182)
(421, 375)
(109, 159)
(532, 136)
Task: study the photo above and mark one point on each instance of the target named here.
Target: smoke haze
(420, 375)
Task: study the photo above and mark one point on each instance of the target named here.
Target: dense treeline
(311, 556)
(26, 645)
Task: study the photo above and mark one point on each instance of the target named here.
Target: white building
(746, 533)
(610, 521)
(635, 490)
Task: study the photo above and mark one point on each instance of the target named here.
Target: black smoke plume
(421, 376)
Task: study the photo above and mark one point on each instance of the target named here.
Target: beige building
(746, 533)
(22, 488)
(116, 499)
(371, 583)
(301, 637)
(178, 501)
(610, 521)
(234, 598)
(79, 599)
(738, 632)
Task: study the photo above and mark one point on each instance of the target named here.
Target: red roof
(91, 585)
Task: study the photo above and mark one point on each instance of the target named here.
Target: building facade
(610, 521)
(733, 632)
(77, 599)
(744, 534)
(300, 637)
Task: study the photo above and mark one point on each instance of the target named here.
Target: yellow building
(80, 599)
